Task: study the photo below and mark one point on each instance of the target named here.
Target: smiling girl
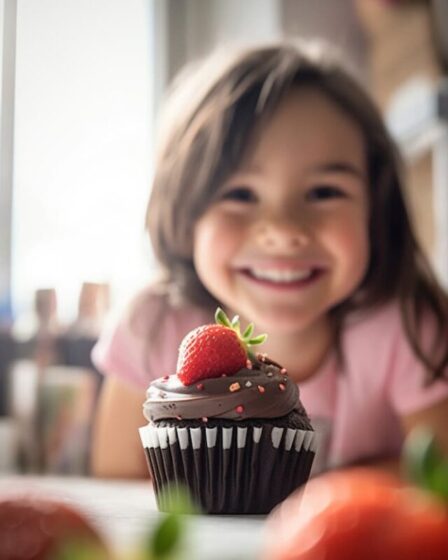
(277, 195)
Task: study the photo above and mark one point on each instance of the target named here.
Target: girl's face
(286, 237)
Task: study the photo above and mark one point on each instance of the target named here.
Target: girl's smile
(280, 278)
(282, 275)
(286, 239)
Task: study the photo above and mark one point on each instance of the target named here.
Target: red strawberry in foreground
(215, 350)
(366, 514)
(37, 528)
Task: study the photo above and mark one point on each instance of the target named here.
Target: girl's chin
(282, 322)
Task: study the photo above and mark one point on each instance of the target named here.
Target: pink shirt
(355, 409)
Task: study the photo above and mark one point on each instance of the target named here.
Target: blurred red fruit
(358, 514)
(36, 528)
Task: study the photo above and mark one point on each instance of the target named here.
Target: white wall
(248, 21)
(197, 26)
(336, 22)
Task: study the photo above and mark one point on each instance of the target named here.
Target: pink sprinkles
(281, 387)
(261, 389)
(239, 409)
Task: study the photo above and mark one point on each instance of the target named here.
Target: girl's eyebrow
(327, 167)
(340, 167)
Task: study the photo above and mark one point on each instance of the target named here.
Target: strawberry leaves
(249, 330)
(246, 339)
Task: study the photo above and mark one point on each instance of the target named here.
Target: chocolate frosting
(265, 391)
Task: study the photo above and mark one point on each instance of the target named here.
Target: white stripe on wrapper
(227, 438)
(289, 438)
(241, 434)
(276, 437)
(300, 436)
(162, 434)
(144, 436)
(182, 436)
(196, 437)
(172, 437)
(257, 434)
(210, 435)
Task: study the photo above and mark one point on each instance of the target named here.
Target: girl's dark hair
(208, 122)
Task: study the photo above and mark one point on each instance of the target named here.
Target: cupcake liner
(229, 470)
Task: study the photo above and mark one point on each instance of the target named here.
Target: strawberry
(364, 514)
(215, 350)
(35, 527)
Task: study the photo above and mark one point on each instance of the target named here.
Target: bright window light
(83, 127)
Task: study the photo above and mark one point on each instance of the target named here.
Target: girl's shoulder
(374, 335)
(380, 320)
(142, 341)
(153, 311)
(380, 360)
(385, 322)
(376, 339)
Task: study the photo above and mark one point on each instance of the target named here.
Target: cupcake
(229, 424)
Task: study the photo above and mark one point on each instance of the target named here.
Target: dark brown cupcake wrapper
(230, 470)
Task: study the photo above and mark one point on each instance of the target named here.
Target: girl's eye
(239, 194)
(325, 192)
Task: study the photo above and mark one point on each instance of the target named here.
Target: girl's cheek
(226, 224)
(215, 232)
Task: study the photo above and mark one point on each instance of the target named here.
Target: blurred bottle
(23, 403)
(44, 342)
(93, 303)
(37, 348)
(66, 398)
(72, 422)
(80, 337)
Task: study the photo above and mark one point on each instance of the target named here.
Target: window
(82, 147)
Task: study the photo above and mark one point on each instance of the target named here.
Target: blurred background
(82, 81)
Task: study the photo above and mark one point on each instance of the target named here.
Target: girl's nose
(283, 233)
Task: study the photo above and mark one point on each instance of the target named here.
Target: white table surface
(124, 511)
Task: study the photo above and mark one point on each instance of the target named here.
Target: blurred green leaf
(78, 550)
(424, 463)
(176, 498)
(167, 540)
(167, 537)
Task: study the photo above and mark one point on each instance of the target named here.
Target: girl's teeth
(281, 275)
